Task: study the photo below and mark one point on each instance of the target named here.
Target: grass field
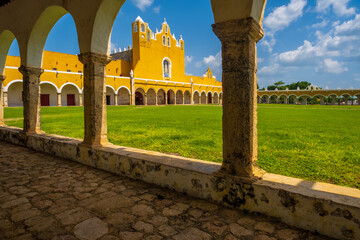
(320, 143)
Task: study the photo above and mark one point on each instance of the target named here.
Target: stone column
(31, 98)
(346, 98)
(59, 99)
(322, 102)
(132, 88)
(286, 100)
(166, 98)
(115, 99)
(80, 99)
(6, 102)
(145, 99)
(192, 93)
(333, 100)
(156, 99)
(295, 100)
(239, 65)
(304, 102)
(94, 98)
(268, 100)
(2, 78)
(277, 100)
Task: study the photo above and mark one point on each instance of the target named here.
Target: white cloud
(331, 66)
(188, 59)
(339, 7)
(143, 4)
(282, 16)
(213, 62)
(269, 70)
(260, 60)
(321, 24)
(268, 43)
(157, 9)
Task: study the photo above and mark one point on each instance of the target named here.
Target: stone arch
(101, 32)
(110, 95)
(292, 99)
(187, 97)
(265, 98)
(203, 97)
(70, 94)
(14, 90)
(70, 83)
(209, 97)
(6, 39)
(123, 96)
(196, 97)
(48, 94)
(283, 99)
(304, 99)
(39, 34)
(216, 98)
(274, 98)
(139, 96)
(161, 97)
(179, 97)
(346, 97)
(170, 97)
(151, 96)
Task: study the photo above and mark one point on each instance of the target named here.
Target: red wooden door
(45, 100)
(71, 99)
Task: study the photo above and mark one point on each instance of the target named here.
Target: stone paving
(44, 197)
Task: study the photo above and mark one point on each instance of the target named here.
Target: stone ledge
(328, 209)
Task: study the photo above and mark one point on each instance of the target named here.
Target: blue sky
(305, 40)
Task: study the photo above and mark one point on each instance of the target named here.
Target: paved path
(44, 197)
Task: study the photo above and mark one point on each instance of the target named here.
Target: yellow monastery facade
(152, 72)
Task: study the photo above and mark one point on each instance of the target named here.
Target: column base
(258, 173)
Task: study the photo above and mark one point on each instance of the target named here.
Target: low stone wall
(328, 209)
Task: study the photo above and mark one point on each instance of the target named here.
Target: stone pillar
(166, 98)
(346, 98)
(31, 98)
(156, 99)
(94, 98)
(304, 102)
(239, 65)
(132, 88)
(80, 99)
(295, 100)
(192, 93)
(277, 100)
(145, 99)
(59, 99)
(268, 100)
(115, 99)
(322, 102)
(286, 101)
(2, 123)
(6, 102)
(333, 100)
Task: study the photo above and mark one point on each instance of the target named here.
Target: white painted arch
(10, 83)
(73, 84)
(51, 83)
(117, 91)
(108, 86)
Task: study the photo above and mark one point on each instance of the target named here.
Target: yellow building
(150, 73)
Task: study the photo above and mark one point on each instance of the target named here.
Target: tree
(279, 83)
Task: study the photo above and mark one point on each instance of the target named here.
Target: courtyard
(309, 142)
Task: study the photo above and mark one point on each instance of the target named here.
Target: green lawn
(311, 142)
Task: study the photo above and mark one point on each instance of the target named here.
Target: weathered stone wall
(328, 209)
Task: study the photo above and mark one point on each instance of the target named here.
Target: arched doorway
(196, 97)
(161, 97)
(110, 96)
(14, 91)
(187, 97)
(123, 96)
(151, 97)
(69, 95)
(203, 98)
(216, 98)
(48, 96)
(179, 97)
(170, 97)
(210, 100)
(139, 97)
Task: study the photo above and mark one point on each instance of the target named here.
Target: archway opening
(161, 97)
(124, 96)
(139, 97)
(187, 97)
(170, 97)
(179, 97)
(14, 94)
(151, 97)
(110, 96)
(48, 95)
(196, 98)
(203, 98)
(216, 98)
(70, 96)
(209, 100)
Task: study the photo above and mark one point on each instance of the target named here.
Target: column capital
(239, 29)
(2, 78)
(31, 70)
(94, 57)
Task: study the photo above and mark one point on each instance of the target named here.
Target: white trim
(73, 84)
(216, 93)
(57, 89)
(117, 92)
(141, 89)
(203, 91)
(111, 88)
(5, 89)
(210, 92)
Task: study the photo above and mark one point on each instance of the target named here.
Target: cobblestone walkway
(44, 197)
